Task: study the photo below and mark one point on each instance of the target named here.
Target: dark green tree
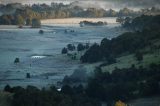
(7, 88)
(80, 47)
(28, 21)
(20, 20)
(139, 56)
(36, 23)
(17, 60)
(71, 47)
(93, 54)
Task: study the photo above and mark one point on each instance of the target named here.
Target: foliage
(93, 54)
(28, 75)
(121, 84)
(7, 20)
(129, 42)
(17, 60)
(28, 21)
(12, 20)
(71, 47)
(36, 23)
(80, 47)
(78, 76)
(44, 11)
(32, 96)
(124, 84)
(142, 22)
(139, 56)
(64, 50)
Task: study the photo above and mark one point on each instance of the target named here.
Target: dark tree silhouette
(64, 51)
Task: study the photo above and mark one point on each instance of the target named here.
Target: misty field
(40, 54)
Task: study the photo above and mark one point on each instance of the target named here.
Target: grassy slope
(128, 60)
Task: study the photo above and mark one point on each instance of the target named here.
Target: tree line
(44, 11)
(142, 22)
(19, 20)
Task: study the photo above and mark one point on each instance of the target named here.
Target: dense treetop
(44, 11)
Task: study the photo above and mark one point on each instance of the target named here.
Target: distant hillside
(127, 43)
(56, 11)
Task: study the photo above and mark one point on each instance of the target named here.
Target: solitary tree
(64, 50)
(16, 60)
(7, 88)
(71, 47)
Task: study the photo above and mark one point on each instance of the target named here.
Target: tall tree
(36, 23)
(20, 20)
